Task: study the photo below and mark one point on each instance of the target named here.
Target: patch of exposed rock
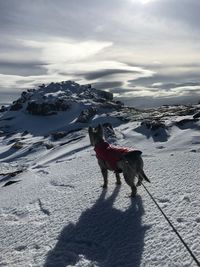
(86, 115)
(153, 124)
(46, 108)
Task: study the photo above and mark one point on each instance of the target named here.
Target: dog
(118, 159)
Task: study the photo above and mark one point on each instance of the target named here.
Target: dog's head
(96, 135)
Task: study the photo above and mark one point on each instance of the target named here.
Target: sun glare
(143, 1)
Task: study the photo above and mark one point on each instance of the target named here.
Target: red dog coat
(111, 154)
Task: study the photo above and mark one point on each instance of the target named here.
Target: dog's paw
(134, 192)
(118, 183)
(132, 195)
(104, 186)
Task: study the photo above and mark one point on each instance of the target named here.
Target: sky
(147, 52)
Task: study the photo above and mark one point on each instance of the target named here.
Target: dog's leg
(118, 182)
(130, 181)
(105, 177)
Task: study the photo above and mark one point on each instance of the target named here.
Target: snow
(57, 214)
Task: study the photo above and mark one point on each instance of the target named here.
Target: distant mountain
(68, 106)
(60, 97)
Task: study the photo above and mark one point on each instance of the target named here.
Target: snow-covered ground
(57, 214)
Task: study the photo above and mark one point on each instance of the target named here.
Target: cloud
(63, 59)
(107, 72)
(144, 101)
(21, 68)
(188, 12)
(169, 86)
(60, 50)
(130, 47)
(108, 85)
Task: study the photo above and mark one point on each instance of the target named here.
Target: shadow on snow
(159, 135)
(103, 235)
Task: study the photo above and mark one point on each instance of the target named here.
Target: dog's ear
(100, 130)
(90, 131)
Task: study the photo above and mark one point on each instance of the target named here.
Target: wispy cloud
(133, 47)
(69, 59)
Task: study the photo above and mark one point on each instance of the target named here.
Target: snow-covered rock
(68, 106)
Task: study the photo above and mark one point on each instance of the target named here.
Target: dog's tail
(144, 176)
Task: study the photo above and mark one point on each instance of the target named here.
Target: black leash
(174, 229)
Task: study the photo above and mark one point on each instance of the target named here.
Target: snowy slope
(57, 214)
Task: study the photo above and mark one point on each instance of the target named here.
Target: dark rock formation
(196, 115)
(17, 105)
(17, 145)
(153, 125)
(86, 115)
(46, 108)
(181, 123)
(59, 135)
(3, 109)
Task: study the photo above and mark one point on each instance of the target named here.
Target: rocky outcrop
(196, 115)
(86, 115)
(105, 95)
(109, 132)
(17, 105)
(153, 125)
(18, 145)
(58, 135)
(182, 123)
(46, 108)
(3, 109)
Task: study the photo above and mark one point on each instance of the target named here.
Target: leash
(174, 229)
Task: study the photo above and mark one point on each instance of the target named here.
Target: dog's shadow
(104, 236)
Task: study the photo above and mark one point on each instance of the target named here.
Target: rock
(105, 94)
(46, 108)
(119, 103)
(11, 182)
(48, 145)
(153, 125)
(17, 105)
(184, 121)
(109, 132)
(86, 115)
(2, 133)
(59, 135)
(196, 115)
(3, 109)
(25, 133)
(17, 145)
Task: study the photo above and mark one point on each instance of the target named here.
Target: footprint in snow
(33, 213)
(21, 248)
(43, 172)
(40, 166)
(42, 208)
(55, 183)
(186, 198)
(180, 220)
(163, 200)
(197, 220)
(64, 160)
(160, 147)
(14, 216)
